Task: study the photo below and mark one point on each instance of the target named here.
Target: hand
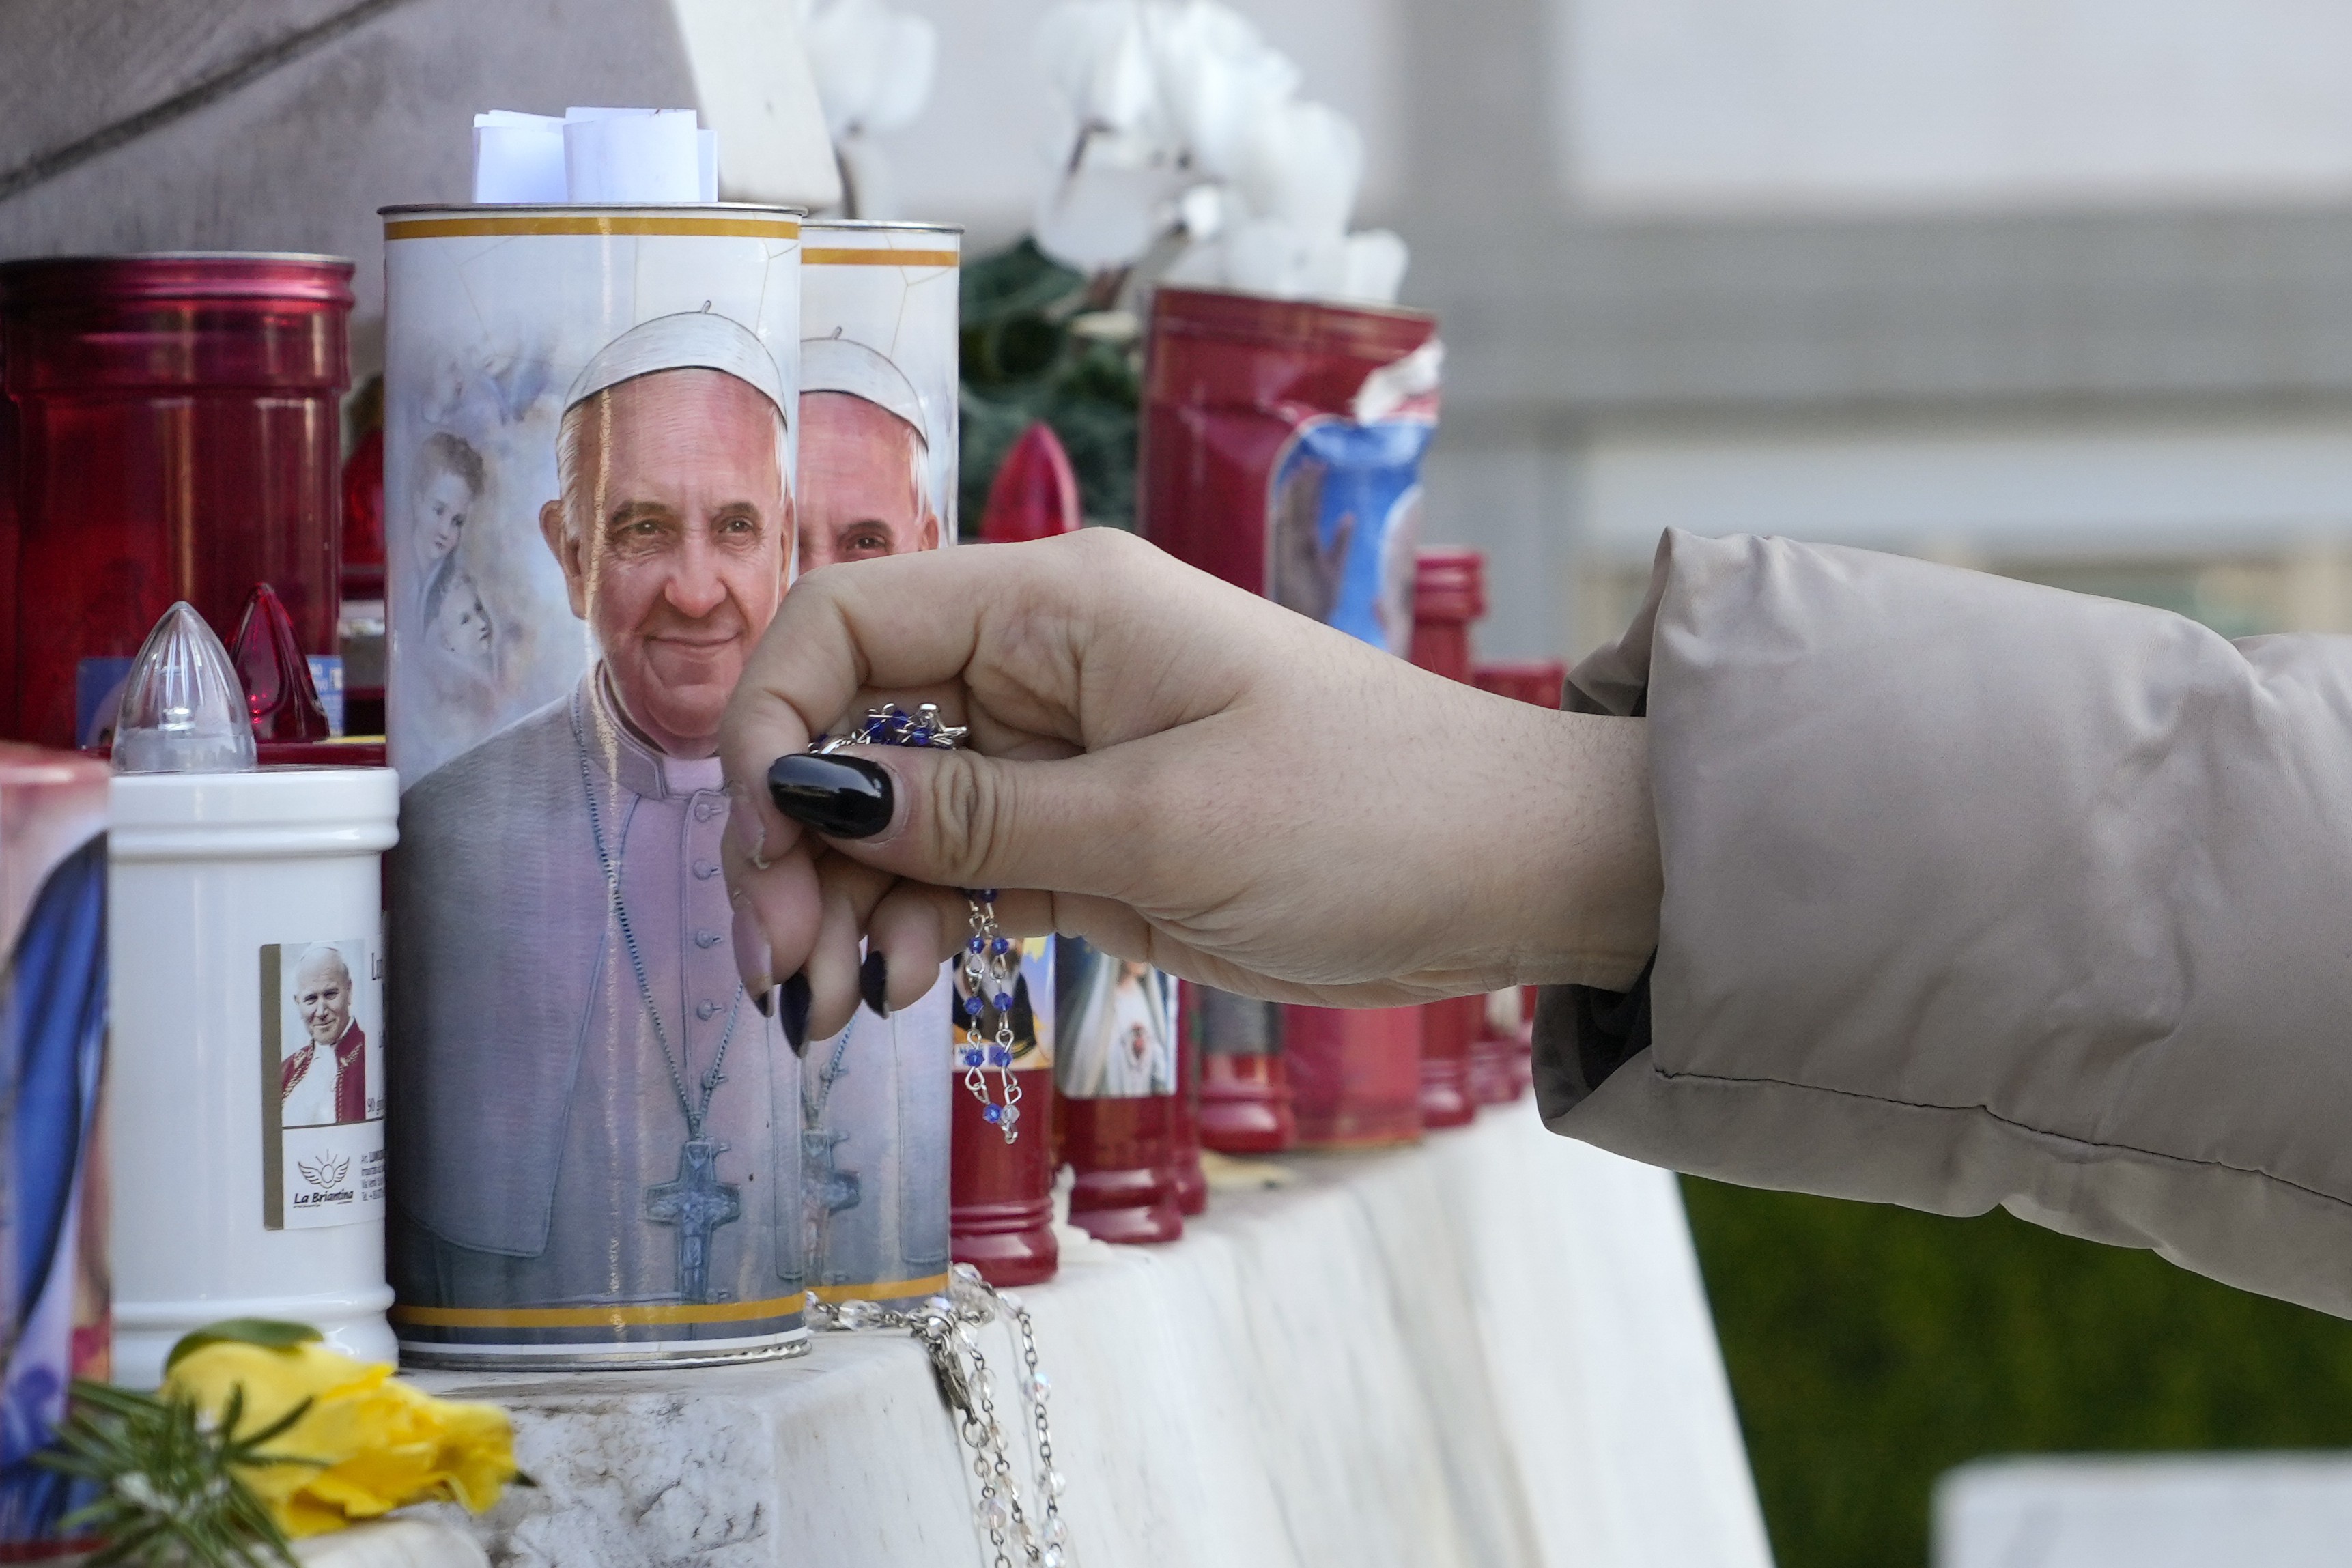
(1177, 771)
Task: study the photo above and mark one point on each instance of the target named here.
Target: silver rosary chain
(1023, 1525)
(990, 960)
(987, 970)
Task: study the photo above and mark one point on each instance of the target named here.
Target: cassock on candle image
(596, 1130)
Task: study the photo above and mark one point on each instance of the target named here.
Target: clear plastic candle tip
(183, 709)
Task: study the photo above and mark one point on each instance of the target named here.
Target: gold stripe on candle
(832, 257)
(834, 1295)
(615, 1316)
(592, 224)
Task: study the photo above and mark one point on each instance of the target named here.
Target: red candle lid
(1035, 493)
(180, 275)
(76, 325)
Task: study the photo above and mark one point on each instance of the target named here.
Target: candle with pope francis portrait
(590, 515)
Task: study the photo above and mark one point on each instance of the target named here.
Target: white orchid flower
(1275, 256)
(1301, 163)
(1176, 115)
(1216, 77)
(1104, 216)
(1097, 56)
(1375, 266)
(1204, 210)
(873, 66)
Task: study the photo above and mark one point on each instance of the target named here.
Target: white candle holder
(245, 1083)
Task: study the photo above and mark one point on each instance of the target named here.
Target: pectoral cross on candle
(698, 1203)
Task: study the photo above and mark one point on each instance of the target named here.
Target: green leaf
(266, 1332)
(191, 1507)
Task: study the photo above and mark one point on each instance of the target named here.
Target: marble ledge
(1491, 1350)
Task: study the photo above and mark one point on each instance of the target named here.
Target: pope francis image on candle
(874, 1099)
(866, 457)
(589, 1111)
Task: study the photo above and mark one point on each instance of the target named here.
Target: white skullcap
(692, 340)
(835, 364)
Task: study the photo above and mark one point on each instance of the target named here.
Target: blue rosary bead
(1003, 1001)
(994, 1113)
(973, 1058)
(999, 946)
(999, 1057)
(975, 944)
(971, 1007)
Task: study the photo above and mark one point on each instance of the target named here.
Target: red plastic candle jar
(1233, 386)
(1355, 1075)
(1184, 1172)
(1245, 1106)
(1001, 1192)
(1001, 1206)
(363, 637)
(1449, 592)
(1502, 1057)
(1281, 444)
(174, 434)
(1115, 1078)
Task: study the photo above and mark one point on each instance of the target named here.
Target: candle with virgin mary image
(597, 1134)
(1114, 1075)
(1282, 448)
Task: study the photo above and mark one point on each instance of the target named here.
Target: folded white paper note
(519, 158)
(625, 157)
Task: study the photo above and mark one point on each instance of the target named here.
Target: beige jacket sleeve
(1979, 893)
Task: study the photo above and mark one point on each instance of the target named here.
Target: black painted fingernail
(796, 1011)
(840, 796)
(766, 1002)
(753, 962)
(874, 983)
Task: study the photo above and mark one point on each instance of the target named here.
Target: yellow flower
(378, 1444)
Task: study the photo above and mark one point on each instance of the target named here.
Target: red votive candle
(1001, 1207)
(361, 632)
(1265, 463)
(1245, 1106)
(1502, 1057)
(1355, 1075)
(1115, 1072)
(1000, 1194)
(175, 435)
(1449, 592)
(1184, 1171)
